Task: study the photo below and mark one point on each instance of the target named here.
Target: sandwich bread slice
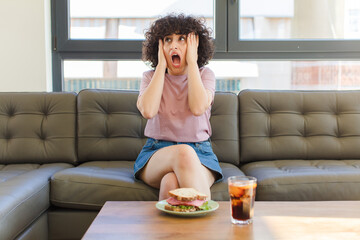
(185, 200)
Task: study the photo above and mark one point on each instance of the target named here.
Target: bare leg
(168, 182)
(184, 162)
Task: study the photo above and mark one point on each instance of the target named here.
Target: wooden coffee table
(272, 220)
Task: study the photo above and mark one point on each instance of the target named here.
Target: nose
(174, 45)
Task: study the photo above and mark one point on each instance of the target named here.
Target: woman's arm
(199, 98)
(149, 102)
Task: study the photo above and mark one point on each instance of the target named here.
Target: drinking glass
(242, 191)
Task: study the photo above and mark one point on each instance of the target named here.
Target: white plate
(214, 205)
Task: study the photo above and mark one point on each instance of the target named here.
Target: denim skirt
(203, 150)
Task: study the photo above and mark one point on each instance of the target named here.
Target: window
(114, 19)
(284, 44)
(103, 74)
(299, 19)
(295, 28)
(231, 76)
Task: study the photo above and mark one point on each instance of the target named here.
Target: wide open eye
(167, 39)
(182, 38)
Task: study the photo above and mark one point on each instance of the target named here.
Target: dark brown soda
(238, 211)
(242, 206)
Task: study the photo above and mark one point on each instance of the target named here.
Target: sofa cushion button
(11, 114)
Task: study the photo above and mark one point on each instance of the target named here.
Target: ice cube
(247, 207)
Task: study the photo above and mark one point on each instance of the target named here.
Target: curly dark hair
(178, 24)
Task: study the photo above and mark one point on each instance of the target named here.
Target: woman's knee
(186, 157)
(169, 182)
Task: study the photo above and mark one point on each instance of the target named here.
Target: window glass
(304, 75)
(232, 76)
(299, 19)
(83, 74)
(120, 19)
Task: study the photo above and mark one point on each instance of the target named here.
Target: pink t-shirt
(174, 121)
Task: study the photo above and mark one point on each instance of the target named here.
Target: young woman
(176, 99)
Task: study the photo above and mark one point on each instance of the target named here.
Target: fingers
(160, 44)
(192, 48)
(161, 56)
(161, 47)
(193, 38)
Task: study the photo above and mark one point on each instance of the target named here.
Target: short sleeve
(208, 79)
(145, 81)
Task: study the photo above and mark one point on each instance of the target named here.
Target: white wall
(25, 45)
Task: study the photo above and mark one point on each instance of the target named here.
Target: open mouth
(176, 60)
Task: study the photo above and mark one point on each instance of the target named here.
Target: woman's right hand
(161, 55)
(149, 102)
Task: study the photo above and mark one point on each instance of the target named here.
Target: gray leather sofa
(62, 155)
(301, 145)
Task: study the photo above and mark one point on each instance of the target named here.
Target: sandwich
(186, 200)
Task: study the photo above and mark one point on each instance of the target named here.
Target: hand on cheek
(161, 55)
(192, 48)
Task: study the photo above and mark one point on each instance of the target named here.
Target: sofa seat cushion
(24, 195)
(91, 184)
(219, 191)
(306, 180)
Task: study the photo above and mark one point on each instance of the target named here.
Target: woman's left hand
(192, 48)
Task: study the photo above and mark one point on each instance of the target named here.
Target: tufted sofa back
(110, 127)
(224, 122)
(277, 125)
(37, 127)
